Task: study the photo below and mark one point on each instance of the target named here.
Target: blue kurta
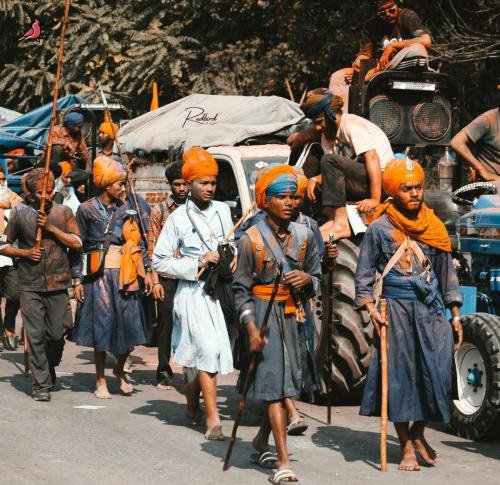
(420, 339)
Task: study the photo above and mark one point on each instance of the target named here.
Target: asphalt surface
(78, 439)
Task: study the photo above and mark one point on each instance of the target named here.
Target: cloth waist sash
(414, 287)
(113, 257)
(265, 292)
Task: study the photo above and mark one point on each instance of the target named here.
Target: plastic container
(446, 168)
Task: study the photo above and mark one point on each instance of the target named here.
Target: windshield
(252, 167)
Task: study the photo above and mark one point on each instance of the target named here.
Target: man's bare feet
(423, 448)
(339, 231)
(214, 433)
(101, 392)
(409, 461)
(126, 388)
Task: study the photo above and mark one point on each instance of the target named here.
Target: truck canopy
(30, 130)
(209, 120)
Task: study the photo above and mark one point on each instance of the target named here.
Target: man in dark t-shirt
(395, 36)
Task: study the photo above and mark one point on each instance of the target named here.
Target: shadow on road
(489, 450)
(356, 445)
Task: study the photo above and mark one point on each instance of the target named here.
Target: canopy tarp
(30, 130)
(7, 115)
(208, 120)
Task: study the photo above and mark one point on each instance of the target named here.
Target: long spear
(384, 372)
(48, 151)
(127, 167)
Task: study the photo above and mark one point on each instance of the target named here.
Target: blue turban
(73, 118)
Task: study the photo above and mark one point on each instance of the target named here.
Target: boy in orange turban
(106, 139)
(271, 241)
(408, 245)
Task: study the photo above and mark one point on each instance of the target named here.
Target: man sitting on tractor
(395, 35)
(355, 154)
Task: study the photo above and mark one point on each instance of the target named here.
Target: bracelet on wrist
(203, 261)
(156, 283)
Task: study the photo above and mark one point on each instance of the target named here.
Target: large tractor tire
(352, 334)
(476, 413)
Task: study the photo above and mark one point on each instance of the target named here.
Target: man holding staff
(409, 246)
(262, 248)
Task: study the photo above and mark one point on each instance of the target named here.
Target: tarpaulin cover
(30, 130)
(208, 120)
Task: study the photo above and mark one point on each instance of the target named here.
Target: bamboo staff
(240, 221)
(329, 387)
(48, 151)
(383, 365)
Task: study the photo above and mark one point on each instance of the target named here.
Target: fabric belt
(265, 292)
(113, 257)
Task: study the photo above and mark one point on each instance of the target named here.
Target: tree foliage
(251, 47)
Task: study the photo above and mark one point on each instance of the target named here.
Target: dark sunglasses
(387, 11)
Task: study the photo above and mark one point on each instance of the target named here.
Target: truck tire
(352, 336)
(476, 414)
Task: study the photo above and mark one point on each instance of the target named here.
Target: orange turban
(401, 171)
(302, 182)
(267, 176)
(198, 164)
(107, 171)
(66, 167)
(110, 129)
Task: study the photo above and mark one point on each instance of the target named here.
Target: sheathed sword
(251, 369)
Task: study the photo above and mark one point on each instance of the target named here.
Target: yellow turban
(401, 171)
(198, 164)
(65, 167)
(107, 171)
(110, 129)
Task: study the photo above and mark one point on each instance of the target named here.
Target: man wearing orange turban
(273, 241)
(408, 245)
(111, 318)
(187, 250)
(106, 139)
(107, 171)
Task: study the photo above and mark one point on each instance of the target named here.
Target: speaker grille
(432, 119)
(386, 114)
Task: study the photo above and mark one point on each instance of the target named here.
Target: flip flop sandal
(296, 427)
(282, 477)
(266, 459)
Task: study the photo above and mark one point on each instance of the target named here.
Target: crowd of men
(120, 257)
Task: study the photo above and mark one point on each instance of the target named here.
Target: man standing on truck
(355, 154)
(395, 36)
(409, 246)
(164, 288)
(479, 144)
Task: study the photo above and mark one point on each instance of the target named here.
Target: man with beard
(44, 276)
(273, 241)
(187, 244)
(107, 135)
(409, 246)
(395, 36)
(164, 288)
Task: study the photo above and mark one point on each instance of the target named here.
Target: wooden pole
(330, 323)
(384, 369)
(48, 151)
(289, 89)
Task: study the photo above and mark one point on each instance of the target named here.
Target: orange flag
(154, 99)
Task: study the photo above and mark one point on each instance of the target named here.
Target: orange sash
(283, 294)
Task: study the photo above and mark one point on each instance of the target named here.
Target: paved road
(142, 438)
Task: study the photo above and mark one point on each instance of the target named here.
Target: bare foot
(260, 444)
(409, 461)
(339, 231)
(423, 448)
(126, 388)
(214, 433)
(101, 392)
(193, 412)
